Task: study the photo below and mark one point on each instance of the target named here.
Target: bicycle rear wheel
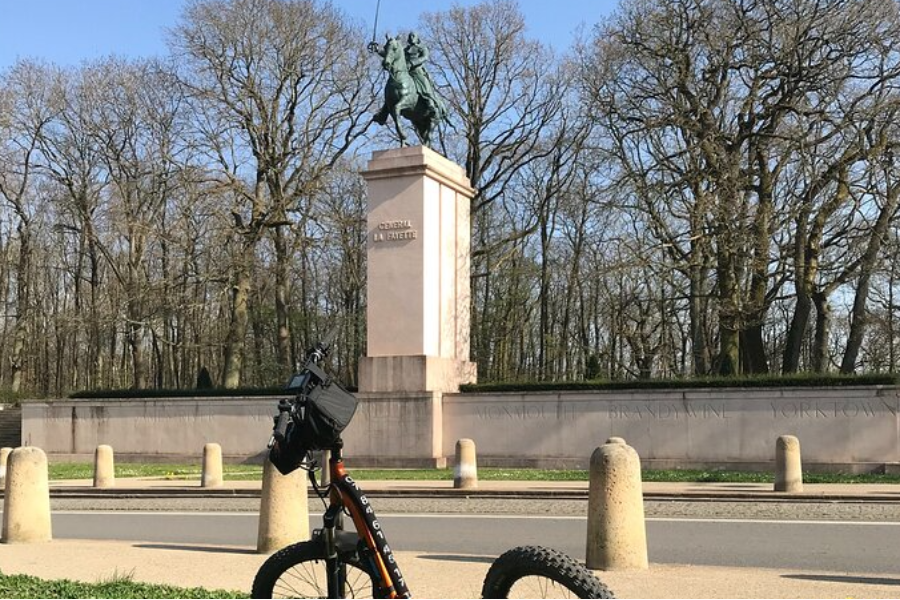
(298, 571)
(536, 572)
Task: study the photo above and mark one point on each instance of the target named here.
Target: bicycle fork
(336, 570)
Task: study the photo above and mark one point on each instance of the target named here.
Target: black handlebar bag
(330, 408)
(320, 418)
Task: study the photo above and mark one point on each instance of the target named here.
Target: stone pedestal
(418, 274)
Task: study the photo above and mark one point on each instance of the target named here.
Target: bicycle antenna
(375, 27)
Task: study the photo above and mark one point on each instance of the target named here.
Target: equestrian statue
(409, 91)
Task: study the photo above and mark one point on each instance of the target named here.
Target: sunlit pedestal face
(418, 273)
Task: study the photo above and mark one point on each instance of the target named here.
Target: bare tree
(26, 102)
(885, 214)
(135, 121)
(504, 89)
(73, 159)
(703, 102)
(282, 85)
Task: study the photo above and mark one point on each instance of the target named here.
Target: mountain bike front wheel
(298, 571)
(536, 572)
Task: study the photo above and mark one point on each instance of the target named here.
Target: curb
(687, 496)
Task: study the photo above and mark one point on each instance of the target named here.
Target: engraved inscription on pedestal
(394, 231)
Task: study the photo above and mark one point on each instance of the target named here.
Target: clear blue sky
(67, 32)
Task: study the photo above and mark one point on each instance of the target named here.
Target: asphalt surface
(857, 546)
(831, 542)
(828, 510)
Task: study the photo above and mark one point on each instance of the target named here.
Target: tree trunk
(23, 306)
(859, 315)
(823, 328)
(754, 357)
(892, 344)
(95, 351)
(139, 372)
(729, 360)
(237, 330)
(16, 359)
(753, 352)
(699, 350)
(135, 310)
(645, 366)
(283, 334)
(544, 335)
(796, 333)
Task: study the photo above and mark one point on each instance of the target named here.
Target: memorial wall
(850, 428)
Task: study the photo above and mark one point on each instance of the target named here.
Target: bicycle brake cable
(311, 470)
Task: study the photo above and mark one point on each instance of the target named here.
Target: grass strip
(26, 586)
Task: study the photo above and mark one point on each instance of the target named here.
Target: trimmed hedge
(9, 397)
(182, 393)
(803, 380)
(179, 393)
(809, 380)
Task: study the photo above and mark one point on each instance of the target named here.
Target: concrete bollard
(615, 440)
(788, 469)
(211, 474)
(4, 456)
(616, 533)
(283, 510)
(104, 467)
(26, 507)
(465, 473)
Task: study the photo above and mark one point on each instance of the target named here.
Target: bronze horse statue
(407, 95)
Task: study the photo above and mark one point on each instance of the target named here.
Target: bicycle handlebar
(279, 433)
(301, 382)
(281, 424)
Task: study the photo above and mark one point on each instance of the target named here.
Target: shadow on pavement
(847, 579)
(729, 486)
(189, 548)
(458, 558)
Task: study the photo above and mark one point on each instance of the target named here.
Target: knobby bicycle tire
(298, 571)
(536, 572)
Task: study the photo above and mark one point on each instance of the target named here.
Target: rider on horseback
(416, 57)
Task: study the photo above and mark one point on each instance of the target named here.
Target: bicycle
(361, 563)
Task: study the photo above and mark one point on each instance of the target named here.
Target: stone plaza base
(401, 429)
(392, 373)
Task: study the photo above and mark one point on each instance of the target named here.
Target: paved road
(475, 505)
(836, 546)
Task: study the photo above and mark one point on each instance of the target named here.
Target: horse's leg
(395, 114)
(426, 130)
(424, 122)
